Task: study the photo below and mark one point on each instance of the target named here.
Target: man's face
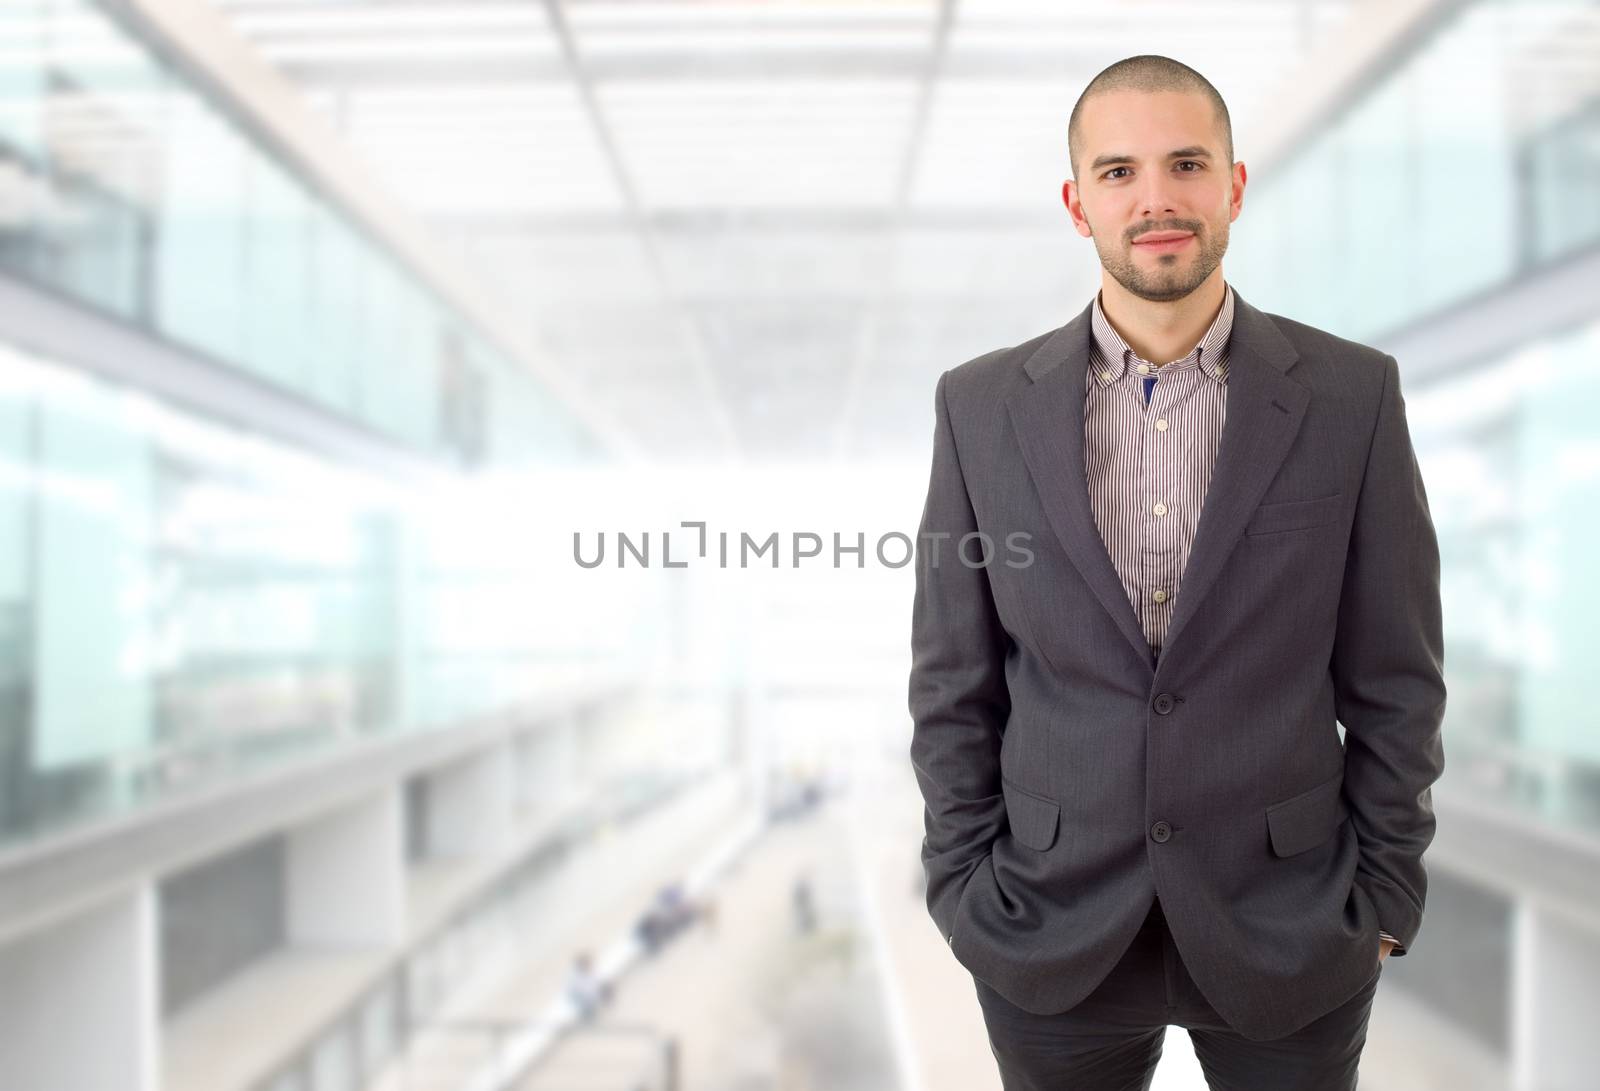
(1151, 165)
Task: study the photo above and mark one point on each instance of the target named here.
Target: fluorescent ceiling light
(466, 123)
(432, 47)
(556, 117)
(624, 90)
(1138, 14)
(388, 17)
(721, 116)
(1195, 37)
(463, 94)
(701, 14)
(752, 41)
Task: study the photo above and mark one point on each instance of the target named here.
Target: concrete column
(541, 773)
(78, 1000)
(469, 804)
(1556, 963)
(568, 765)
(346, 876)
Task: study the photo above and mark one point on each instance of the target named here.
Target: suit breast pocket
(1286, 515)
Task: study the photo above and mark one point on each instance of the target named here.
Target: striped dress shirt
(1149, 463)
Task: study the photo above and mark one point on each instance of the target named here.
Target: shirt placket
(1158, 487)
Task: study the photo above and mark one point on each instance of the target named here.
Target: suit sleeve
(1387, 669)
(958, 696)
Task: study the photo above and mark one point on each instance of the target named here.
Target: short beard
(1166, 283)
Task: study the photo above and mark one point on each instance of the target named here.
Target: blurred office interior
(333, 332)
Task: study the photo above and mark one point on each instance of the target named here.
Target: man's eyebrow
(1194, 151)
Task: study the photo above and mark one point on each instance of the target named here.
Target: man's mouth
(1161, 242)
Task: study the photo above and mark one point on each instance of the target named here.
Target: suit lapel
(1264, 411)
(1047, 414)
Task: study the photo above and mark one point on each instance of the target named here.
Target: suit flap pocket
(1294, 514)
(1308, 819)
(1033, 818)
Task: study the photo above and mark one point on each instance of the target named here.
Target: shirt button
(1144, 369)
(1161, 425)
(1160, 596)
(1106, 375)
(1160, 509)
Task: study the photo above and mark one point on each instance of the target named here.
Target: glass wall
(1512, 463)
(1473, 160)
(125, 188)
(181, 602)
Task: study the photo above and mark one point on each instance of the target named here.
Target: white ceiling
(757, 230)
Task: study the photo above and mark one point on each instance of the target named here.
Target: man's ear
(1069, 197)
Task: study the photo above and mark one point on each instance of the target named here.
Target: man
(1166, 548)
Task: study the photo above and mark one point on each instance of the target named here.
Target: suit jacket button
(1161, 832)
(1164, 703)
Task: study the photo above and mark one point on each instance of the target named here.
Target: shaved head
(1150, 73)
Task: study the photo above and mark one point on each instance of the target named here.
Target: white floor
(870, 1000)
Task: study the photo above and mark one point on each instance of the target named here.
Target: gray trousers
(1112, 1040)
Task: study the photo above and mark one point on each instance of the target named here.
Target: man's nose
(1155, 200)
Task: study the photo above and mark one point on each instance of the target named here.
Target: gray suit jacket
(1067, 778)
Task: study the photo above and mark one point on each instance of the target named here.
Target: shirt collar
(1115, 357)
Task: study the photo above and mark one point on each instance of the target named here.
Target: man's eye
(1114, 170)
(1188, 163)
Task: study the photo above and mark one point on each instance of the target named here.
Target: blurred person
(804, 905)
(670, 913)
(585, 989)
(1138, 811)
(651, 929)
